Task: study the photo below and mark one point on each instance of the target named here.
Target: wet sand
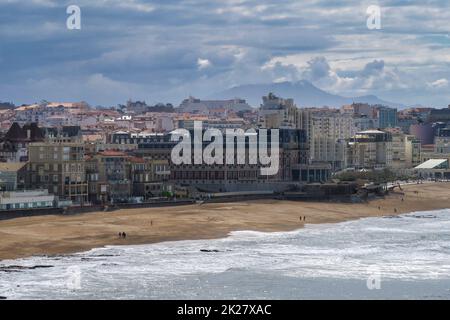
(51, 235)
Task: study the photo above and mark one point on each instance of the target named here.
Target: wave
(409, 249)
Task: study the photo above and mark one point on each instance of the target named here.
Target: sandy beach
(52, 235)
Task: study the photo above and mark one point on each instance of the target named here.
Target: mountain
(304, 93)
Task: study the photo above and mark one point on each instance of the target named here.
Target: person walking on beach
(124, 235)
(120, 234)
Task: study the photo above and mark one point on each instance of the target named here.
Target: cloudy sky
(165, 50)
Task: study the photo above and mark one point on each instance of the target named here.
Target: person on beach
(120, 234)
(124, 235)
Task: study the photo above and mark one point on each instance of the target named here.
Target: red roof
(137, 160)
(113, 153)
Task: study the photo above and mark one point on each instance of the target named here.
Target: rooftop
(11, 166)
(113, 153)
(432, 164)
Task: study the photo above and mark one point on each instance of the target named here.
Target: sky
(166, 50)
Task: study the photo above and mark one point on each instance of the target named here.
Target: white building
(434, 169)
(26, 200)
(327, 134)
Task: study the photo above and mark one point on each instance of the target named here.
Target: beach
(57, 234)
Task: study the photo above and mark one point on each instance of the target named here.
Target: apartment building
(150, 177)
(277, 113)
(14, 145)
(328, 133)
(371, 149)
(325, 129)
(109, 176)
(387, 117)
(406, 151)
(442, 144)
(58, 167)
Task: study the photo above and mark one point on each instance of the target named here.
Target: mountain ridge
(304, 93)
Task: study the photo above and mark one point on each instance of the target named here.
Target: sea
(393, 257)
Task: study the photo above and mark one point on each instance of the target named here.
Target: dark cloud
(151, 49)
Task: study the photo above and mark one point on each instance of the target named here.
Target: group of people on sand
(122, 235)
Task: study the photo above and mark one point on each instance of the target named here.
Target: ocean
(404, 257)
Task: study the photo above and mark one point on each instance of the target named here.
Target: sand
(56, 234)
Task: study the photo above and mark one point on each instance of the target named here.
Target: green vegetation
(167, 194)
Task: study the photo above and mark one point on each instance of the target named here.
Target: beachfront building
(150, 177)
(371, 149)
(58, 167)
(30, 199)
(293, 169)
(108, 173)
(434, 169)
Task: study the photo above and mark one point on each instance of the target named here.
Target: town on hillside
(71, 156)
